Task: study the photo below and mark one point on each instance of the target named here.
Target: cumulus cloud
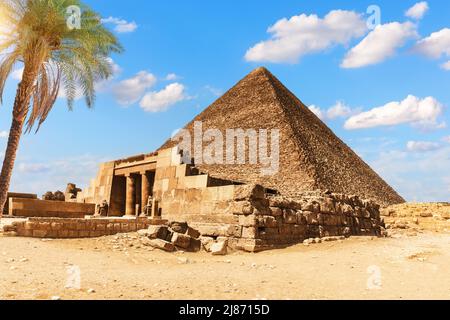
(446, 139)
(121, 26)
(158, 101)
(131, 90)
(422, 146)
(417, 11)
(172, 77)
(4, 134)
(418, 176)
(435, 45)
(446, 66)
(423, 113)
(317, 111)
(303, 34)
(339, 110)
(380, 44)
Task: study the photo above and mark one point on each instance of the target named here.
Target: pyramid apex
(260, 70)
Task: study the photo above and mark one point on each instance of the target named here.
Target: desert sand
(118, 267)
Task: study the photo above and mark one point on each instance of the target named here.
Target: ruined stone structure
(252, 211)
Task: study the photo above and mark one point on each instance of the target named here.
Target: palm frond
(73, 60)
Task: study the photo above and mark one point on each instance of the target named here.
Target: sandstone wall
(21, 207)
(254, 221)
(17, 195)
(78, 228)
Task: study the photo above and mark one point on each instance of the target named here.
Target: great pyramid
(312, 157)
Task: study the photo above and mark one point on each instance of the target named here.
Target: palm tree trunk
(20, 111)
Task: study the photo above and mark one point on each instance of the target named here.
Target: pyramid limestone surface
(312, 157)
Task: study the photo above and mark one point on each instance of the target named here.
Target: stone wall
(278, 221)
(99, 188)
(254, 221)
(17, 195)
(78, 228)
(20, 207)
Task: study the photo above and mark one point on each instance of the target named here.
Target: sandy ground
(357, 268)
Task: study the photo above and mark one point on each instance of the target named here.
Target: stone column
(145, 190)
(130, 195)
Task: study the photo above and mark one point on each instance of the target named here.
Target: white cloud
(33, 167)
(158, 101)
(39, 176)
(446, 66)
(121, 26)
(339, 110)
(418, 176)
(303, 34)
(435, 45)
(379, 44)
(172, 77)
(422, 146)
(317, 111)
(131, 90)
(4, 134)
(417, 11)
(446, 139)
(423, 113)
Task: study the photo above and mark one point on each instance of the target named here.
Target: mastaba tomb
(322, 187)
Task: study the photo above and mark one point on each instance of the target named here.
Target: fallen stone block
(206, 243)
(191, 232)
(195, 245)
(162, 244)
(219, 248)
(181, 240)
(158, 232)
(180, 227)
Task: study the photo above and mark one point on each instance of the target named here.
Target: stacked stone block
(276, 221)
(78, 228)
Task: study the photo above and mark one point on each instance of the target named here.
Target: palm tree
(37, 34)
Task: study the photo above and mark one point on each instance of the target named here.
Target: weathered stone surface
(207, 242)
(180, 227)
(290, 216)
(242, 207)
(219, 248)
(181, 240)
(195, 245)
(191, 232)
(248, 221)
(249, 232)
(311, 218)
(162, 244)
(246, 192)
(327, 205)
(276, 212)
(218, 230)
(269, 221)
(158, 232)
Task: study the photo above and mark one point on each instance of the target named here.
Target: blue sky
(181, 55)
